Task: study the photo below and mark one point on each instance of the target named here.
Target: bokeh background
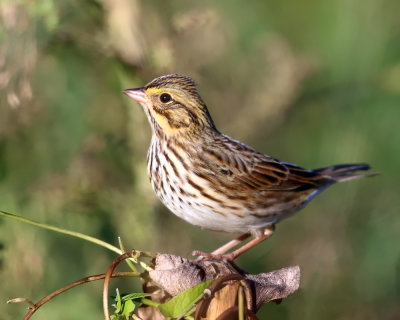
(310, 82)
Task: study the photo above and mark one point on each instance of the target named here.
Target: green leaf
(182, 303)
(118, 317)
(134, 296)
(125, 305)
(128, 307)
(118, 303)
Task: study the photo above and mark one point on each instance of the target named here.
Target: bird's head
(173, 106)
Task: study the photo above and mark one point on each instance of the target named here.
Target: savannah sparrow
(215, 182)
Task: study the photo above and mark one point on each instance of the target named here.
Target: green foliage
(183, 302)
(314, 83)
(126, 305)
(176, 307)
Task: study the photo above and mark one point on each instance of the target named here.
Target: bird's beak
(136, 94)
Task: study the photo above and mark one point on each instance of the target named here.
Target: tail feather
(344, 172)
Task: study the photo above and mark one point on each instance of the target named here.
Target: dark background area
(310, 82)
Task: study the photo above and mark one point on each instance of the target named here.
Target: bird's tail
(344, 172)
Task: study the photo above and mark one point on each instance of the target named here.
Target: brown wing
(234, 165)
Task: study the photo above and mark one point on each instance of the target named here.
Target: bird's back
(221, 184)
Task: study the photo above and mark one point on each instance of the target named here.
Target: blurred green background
(310, 82)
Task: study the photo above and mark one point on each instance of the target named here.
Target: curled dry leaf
(172, 275)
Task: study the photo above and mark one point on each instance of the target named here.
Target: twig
(33, 307)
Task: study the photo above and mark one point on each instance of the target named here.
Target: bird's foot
(229, 257)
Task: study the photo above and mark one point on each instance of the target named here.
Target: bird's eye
(165, 97)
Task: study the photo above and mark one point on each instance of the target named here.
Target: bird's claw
(210, 256)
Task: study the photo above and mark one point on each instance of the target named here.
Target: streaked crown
(173, 106)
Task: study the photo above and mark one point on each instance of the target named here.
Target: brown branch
(108, 276)
(33, 307)
(233, 290)
(172, 275)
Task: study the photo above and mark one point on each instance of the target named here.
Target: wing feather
(251, 171)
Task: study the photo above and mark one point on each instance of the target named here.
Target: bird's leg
(229, 245)
(221, 250)
(219, 253)
(234, 254)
